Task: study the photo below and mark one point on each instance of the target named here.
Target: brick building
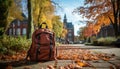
(70, 30)
(106, 31)
(18, 27)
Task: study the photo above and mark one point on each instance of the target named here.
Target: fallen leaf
(77, 67)
(81, 63)
(50, 67)
(9, 67)
(106, 59)
(112, 67)
(61, 67)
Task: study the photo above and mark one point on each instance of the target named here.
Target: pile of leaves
(16, 57)
(73, 54)
(81, 56)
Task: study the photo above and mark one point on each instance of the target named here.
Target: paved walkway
(112, 64)
(104, 49)
(96, 64)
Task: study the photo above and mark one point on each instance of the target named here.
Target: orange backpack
(43, 45)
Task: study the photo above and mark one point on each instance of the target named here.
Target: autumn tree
(57, 26)
(102, 12)
(39, 11)
(88, 31)
(81, 33)
(9, 10)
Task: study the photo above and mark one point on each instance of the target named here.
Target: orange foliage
(96, 28)
(102, 12)
(103, 20)
(88, 31)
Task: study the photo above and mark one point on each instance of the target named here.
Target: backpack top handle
(44, 24)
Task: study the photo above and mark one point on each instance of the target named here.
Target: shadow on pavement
(5, 64)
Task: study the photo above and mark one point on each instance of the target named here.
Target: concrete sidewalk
(95, 64)
(104, 49)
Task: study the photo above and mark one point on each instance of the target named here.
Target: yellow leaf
(106, 59)
(81, 64)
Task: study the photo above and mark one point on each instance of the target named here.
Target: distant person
(67, 41)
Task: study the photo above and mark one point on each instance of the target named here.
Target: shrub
(95, 42)
(88, 43)
(104, 41)
(101, 41)
(109, 40)
(93, 38)
(11, 45)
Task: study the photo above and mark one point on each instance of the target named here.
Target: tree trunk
(4, 6)
(30, 20)
(118, 3)
(115, 13)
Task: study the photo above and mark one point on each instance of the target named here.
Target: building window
(13, 25)
(18, 31)
(24, 31)
(18, 23)
(69, 34)
(70, 39)
(70, 30)
(10, 31)
(13, 31)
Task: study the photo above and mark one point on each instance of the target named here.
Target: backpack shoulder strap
(51, 45)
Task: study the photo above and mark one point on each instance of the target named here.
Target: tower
(69, 37)
(65, 20)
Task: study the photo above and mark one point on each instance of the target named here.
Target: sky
(67, 8)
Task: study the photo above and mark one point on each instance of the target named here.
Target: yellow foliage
(49, 23)
(103, 20)
(47, 3)
(43, 18)
(14, 12)
(43, 12)
(64, 32)
(36, 12)
(81, 64)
